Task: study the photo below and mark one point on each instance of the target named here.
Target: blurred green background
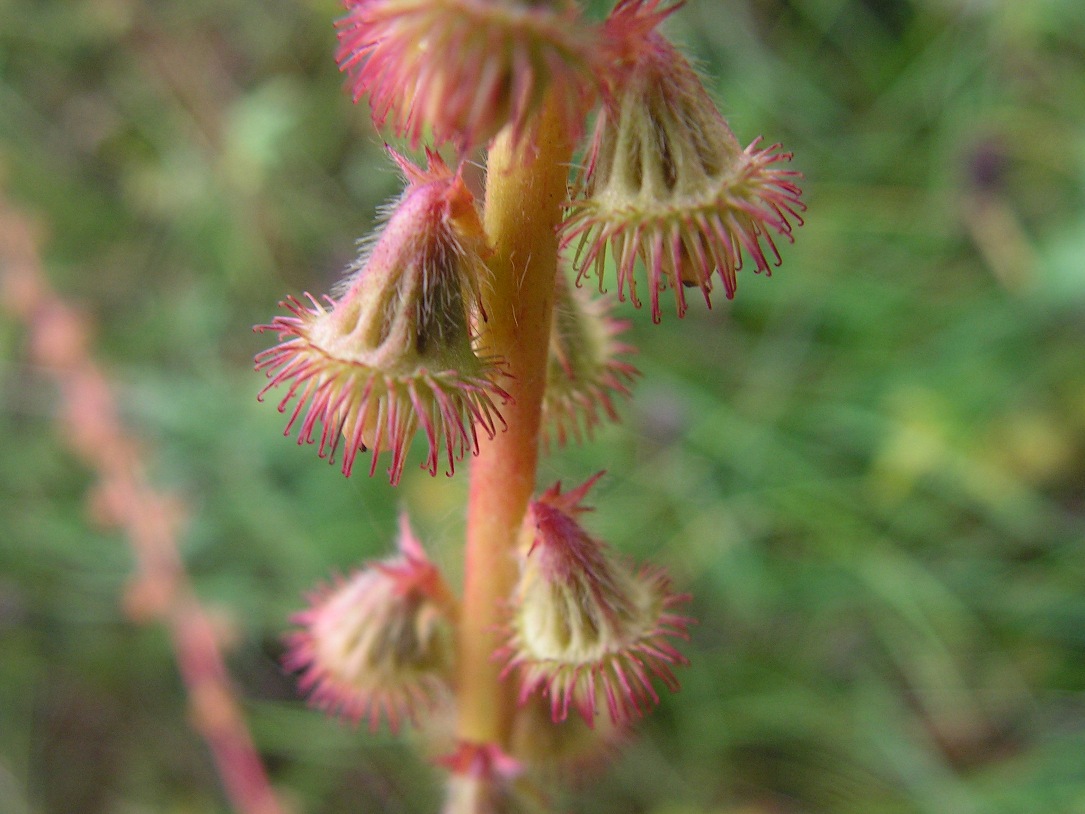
(869, 470)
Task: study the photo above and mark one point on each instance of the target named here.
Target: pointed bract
(587, 368)
(666, 180)
(485, 780)
(380, 643)
(463, 69)
(587, 630)
(395, 352)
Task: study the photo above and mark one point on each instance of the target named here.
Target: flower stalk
(526, 186)
(457, 323)
(124, 498)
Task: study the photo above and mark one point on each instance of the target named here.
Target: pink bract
(587, 630)
(377, 645)
(463, 69)
(666, 181)
(395, 351)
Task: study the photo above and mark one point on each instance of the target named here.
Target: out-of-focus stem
(90, 423)
(525, 188)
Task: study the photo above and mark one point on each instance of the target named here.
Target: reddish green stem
(525, 189)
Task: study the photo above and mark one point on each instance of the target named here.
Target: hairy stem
(525, 188)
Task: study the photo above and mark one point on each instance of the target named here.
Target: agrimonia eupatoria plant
(458, 322)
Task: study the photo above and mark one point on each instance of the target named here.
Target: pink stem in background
(122, 497)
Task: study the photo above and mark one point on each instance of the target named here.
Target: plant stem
(89, 420)
(525, 188)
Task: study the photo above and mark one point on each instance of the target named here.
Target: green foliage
(868, 469)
